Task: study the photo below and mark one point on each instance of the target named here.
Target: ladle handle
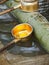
(9, 44)
(1, 2)
(6, 11)
(10, 9)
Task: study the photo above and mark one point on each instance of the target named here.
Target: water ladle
(25, 5)
(21, 32)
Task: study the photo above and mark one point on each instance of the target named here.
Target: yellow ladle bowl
(22, 30)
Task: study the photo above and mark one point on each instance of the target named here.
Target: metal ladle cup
(21, 32)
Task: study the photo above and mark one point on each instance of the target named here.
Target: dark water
(7, 22)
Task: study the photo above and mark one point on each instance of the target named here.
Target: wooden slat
(22, 60)
(3, 60)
